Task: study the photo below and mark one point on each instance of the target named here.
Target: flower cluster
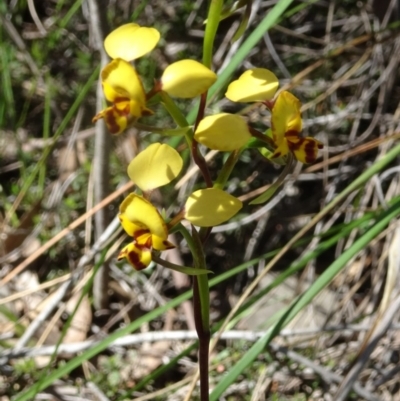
(159, 163)
(123, 87)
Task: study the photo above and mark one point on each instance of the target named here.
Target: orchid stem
(173, 110)
(201, 307)
(197, 156)
(227, 168)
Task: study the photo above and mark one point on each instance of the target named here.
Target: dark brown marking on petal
(141, 232)
(134, 260)
(292, 134)
(269, 103)
(146, 246)
(147, 112)
(126, 111)
(295, 145)
(277, 154)
(168, 245)
(147, 243)
(111, 120)
(121, 99)
(310, 150)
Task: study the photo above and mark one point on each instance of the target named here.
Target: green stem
(200, 263)
(197, 156)
(201, 304)
(201, 163)
(262, 137)
(227, 168)
(191, 271)
(266, 195)
(196, 248)
(201, 308)
(204, 342)
(214, 15)
(173, 110)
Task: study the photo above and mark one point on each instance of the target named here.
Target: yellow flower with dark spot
(286, 126)
(122, 87)
(142, 221)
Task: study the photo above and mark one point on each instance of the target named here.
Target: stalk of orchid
(160, 164)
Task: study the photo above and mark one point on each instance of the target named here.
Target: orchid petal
(139, 257)
(305, 150)
(155, 166)
(224, 131)
(120, 80)
(132, 228)
(210, 207)
(187, 79)
(285, 121)
(131, 41)
(142, 213)
(115, 119)
(255, 85)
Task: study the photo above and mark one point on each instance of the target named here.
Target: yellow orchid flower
(142, 221)
(122, 87)
(131, 41)
(187, 79)
(155, 166)
(210, 207)
(286, 125)
(223, 131)
(255, 85)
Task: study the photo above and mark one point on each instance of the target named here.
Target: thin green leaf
(61, 129)
(191, 271)
(135, 325)
(230, 9)
(270, 192)
(67, 324)
(304, 300)
(158, 372)
(211, 30)
(243, 23)
(177, 131)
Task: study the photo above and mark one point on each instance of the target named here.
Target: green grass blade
(46, 131)
(305, 299)
(7, 105)
(78, 360)
(213, 19)
(28, 181)
(343, 232)
(85, 291)
(158, 372)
